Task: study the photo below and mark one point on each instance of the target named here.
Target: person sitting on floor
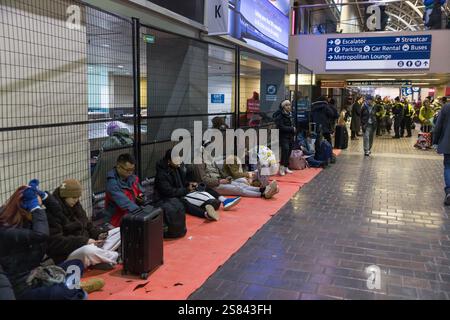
(124, 193)
(24, 232)
(171, 182)
(216, 179)
(72, 235)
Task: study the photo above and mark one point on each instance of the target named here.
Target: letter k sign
(217, 11)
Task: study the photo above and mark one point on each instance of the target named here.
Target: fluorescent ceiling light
(421, 83)
(105, 45)
(120, 66)
(426, 79)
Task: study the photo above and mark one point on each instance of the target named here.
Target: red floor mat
(189, 261)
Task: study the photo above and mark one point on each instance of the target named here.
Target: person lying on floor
(225, 185)
(171, 182)
(124, 193)
(72, 235)
(24, 232)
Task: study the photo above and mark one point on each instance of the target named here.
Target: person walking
(368, 123)
(441, 138)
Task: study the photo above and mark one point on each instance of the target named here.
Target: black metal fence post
(137, 96)
(237, 97)
(296, 94)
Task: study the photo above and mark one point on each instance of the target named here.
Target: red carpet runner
(188, 262)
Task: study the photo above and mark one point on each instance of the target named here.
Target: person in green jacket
(426, 115)
(397, 111)
(408, 112)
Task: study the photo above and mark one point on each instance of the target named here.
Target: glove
(34, 183)
(30, 200)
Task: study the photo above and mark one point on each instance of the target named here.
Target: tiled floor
(385, 211)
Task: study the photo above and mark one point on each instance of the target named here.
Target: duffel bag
(296, 160)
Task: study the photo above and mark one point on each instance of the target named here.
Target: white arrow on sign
(330, 57)
(330, 49)
(330, 42)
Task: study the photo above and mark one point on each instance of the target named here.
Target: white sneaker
(282, 172)
(270, 190)
(211, 213)
(287, 170)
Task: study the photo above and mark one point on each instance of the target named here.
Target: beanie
(70, 188)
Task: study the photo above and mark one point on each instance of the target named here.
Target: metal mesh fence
(69, 89)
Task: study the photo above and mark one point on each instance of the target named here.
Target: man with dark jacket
(397, 111)
(323, 115)
(285, 124)
(380, 113)
(441, 138)
(368, 123)
(171, 182)
(355, 124)
(124, 193)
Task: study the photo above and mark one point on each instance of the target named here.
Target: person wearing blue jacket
(124, 193)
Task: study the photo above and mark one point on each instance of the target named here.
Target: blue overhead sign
(375, 53)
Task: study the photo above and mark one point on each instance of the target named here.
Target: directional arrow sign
(379, 53)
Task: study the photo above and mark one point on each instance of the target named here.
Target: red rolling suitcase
(142, 241)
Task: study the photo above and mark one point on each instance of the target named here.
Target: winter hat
(70, 188)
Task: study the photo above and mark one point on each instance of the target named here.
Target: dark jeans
(406, 124)
(327, 137)
(57, 291)
(447, 172)
(286, 148)
(379, 125)
(397, 126)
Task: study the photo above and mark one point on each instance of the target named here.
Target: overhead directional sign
(407, 91)
(375, 53)
(379, 83)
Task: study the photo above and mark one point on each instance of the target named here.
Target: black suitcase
(142, 241)
(341, 137)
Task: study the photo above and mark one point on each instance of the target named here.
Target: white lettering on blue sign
(406, 52)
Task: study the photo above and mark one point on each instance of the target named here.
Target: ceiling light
(426, 79)
(421, 83)
(105, 45)
(120, 66)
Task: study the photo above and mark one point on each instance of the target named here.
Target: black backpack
(174, 217)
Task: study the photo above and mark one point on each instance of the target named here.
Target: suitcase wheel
(144, 275)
